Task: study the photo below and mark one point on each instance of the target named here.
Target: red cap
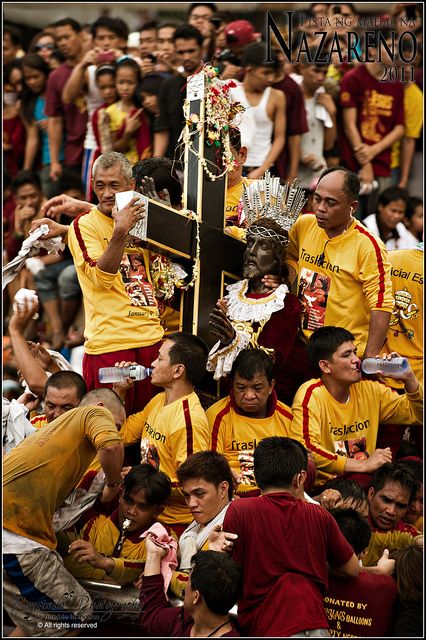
(240, 33)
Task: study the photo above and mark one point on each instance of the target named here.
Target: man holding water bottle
(337, 416)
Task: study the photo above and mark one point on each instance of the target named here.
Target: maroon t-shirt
(296, 123)
(283, 545)
(281, 333)
(362, 606)
(14, 135)
(74, 115)
(159, 619)
(380, 107)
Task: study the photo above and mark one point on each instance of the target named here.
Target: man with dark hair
(263, 121)
(105, 50)
(343, 274)
(321, 115)
(40, 595)
(66, 120)
(287, 163)
(109, 545)
(148, 40)
(393, 487)
(173, 424)
(337, 416)
(344, 494)
(166, 50)
(63, 392)
(251, 412)
(207, 486)
(282, 590)
(28, 196)
(170, 122)
(370, 595)
(213, 588)
(199, 16)
(369, 133)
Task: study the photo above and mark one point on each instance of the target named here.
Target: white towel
(31, 247)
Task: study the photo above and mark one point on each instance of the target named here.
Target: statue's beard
(250, 271)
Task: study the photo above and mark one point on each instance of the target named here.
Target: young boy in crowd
(108, 545)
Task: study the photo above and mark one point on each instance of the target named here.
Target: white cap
(134, 39)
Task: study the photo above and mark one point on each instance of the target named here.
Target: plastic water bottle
(395, 365)
(119, 374)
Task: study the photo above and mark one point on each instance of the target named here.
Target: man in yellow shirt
(405, 333)
(173, 424)
(122, 321)
(41, 597)
(342, 269)
(337, 416)
(250, 413)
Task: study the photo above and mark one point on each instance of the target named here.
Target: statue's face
(259, 257)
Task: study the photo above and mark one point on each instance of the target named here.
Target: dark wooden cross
(174, 234)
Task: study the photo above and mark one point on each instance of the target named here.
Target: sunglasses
(44, 46)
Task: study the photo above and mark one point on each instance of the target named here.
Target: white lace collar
(241, 308)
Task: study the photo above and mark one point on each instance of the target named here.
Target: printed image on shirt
(149, 454)
(247, 468)
(355, 448)
(404, 309)
(313, 293)
(135, 279)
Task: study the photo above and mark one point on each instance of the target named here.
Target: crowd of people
(289, 501)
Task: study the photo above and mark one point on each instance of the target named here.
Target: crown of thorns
(267, 198)
(268, 234)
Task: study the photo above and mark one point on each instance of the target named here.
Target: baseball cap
(240, 33)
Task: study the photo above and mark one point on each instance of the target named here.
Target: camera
(229, 56)
(106, 56)
(151, 57)
(216, 22)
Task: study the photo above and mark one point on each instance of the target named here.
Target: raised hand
(57, 205)
(220, 324)
(126, 218)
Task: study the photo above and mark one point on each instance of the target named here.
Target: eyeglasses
(44, 46)
(204, 16)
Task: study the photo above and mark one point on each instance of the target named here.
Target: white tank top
(255, 126)
(93, 101)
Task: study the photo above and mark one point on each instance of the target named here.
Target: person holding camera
(238, 35)
(106, 33)
(188, 41)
